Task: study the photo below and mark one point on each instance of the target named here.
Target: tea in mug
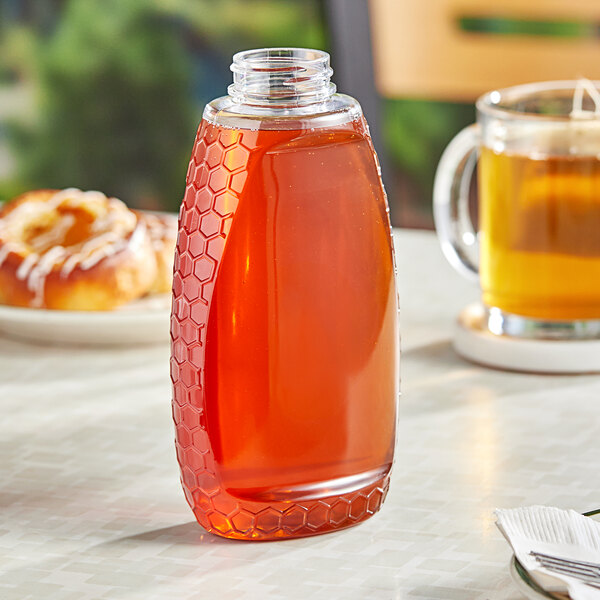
(540, 229)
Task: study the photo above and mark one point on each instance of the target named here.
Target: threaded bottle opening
(281, 77)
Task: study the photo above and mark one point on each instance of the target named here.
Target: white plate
(144, 321)
(529, 588)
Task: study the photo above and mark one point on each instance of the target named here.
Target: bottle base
(232, 518)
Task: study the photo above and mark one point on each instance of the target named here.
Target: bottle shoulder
(336, 110)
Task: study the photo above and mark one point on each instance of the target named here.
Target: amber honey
(285, 340)
(540, 228)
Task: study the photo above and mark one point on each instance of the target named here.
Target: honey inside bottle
(284, 327)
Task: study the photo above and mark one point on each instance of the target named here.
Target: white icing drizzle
(113, 224)
(40, 271)
(69, 265)
(162, 231)
(137, 239)
(103, 253)
(25, 267)
(54, 235)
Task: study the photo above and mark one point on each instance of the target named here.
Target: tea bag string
(578, 112)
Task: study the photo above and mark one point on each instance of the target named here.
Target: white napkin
(563, 533)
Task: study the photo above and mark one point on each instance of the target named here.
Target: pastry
(162, 229)
(73, 250)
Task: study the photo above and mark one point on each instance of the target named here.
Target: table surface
(91, 505)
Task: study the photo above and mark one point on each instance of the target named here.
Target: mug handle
(453, 224)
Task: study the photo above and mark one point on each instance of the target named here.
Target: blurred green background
(107, 94)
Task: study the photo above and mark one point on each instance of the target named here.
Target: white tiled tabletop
(91, 506)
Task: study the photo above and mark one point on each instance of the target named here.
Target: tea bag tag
(582, 128)
(578, 112)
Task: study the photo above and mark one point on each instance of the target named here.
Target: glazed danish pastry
(73, 250)
(162, 229)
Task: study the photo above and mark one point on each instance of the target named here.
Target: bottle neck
(281, 77)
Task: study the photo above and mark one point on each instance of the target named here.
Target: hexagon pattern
(215, 180)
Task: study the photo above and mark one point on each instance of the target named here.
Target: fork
(584, 571)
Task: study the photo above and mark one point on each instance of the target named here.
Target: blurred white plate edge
(529, 588)
(144, 321)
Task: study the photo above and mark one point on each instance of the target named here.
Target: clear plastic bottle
(284, 322)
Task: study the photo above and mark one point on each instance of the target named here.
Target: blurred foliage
(120, 84)
(241, 24)
(10, 188)
(6, 74)
(18, 47)
(510, 26)
(416, 133)
(115, 112)
(221, 28)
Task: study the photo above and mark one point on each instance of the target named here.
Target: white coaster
(474, 341)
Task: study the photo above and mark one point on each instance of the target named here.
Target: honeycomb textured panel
(214, 183)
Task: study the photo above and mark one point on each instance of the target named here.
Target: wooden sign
(458, 49)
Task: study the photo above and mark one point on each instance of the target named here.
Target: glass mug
(537, 251)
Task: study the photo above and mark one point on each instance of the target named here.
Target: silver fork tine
(585, 563)
(574, 573)
(575, 568)
(570, 569)
(591, 581)
(584, 571)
